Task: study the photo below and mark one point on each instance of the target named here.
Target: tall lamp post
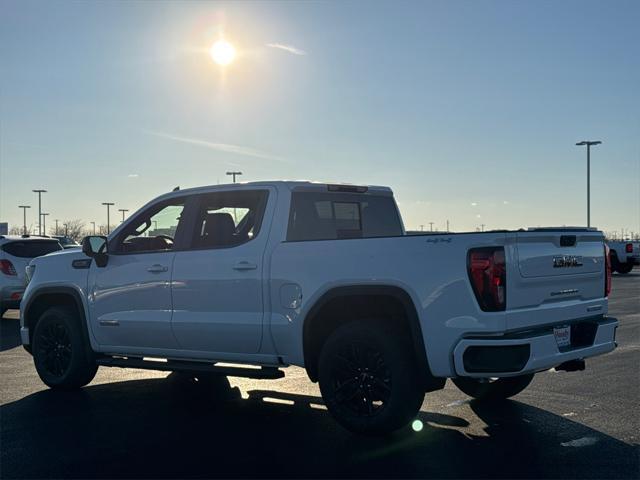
(108, 204)
(94, 227)
(56, 220)
(44, 222)
(123, 210)
(588, 143)
(24, 217)
(234, 175)
(39, 192)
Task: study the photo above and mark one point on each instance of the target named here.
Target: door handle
(245, 266)
(157, 268)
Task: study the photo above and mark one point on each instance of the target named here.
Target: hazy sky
(469, 110)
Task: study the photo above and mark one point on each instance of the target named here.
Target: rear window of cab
(335, 216)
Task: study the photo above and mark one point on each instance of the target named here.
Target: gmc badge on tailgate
(567, 261)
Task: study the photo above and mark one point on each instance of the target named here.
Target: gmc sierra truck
(222, 279)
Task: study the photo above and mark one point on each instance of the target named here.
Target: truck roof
(281, 184)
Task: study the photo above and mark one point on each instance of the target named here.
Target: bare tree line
(75, 229)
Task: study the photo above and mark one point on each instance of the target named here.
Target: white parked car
(320, 276)
(15, 254)
(625, 254)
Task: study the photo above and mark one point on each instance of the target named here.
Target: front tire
(60, 355)
(368, 378)
(492, 390)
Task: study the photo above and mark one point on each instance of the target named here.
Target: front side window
(228, 219)
(333, 216)
(152, 231)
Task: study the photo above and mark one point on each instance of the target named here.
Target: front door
(217, 280)
(130, 298)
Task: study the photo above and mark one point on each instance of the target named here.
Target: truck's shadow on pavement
(176, 428)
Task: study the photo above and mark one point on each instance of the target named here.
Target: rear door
(217, 282)
(555, 266)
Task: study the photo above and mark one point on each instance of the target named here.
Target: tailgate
(556, 266)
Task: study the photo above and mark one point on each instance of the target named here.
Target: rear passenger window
(228, 219)
(31, 248)
(332, 216)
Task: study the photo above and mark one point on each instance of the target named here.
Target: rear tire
(487, 390)
(60, 354)
(368, 378)
(624, 268)
(615, 265)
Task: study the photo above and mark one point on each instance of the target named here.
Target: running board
(270, 373)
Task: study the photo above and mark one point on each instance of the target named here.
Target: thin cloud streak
(221, 147)
(287, 48)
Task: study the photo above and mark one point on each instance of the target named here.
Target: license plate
(563, 335)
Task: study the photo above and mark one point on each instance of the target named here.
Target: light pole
(588, 143)
(44, 222)
(66, 229)
(123, 210)
(234, 175)
(94, 227)
(39, 192)
(431, 226)
(108, 204)
(24, 217)
(447, 226)
(56, 220)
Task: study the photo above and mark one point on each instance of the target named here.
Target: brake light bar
(488, 276)
(628, 248)
(7, 268)
(347, 188)
(607, 270)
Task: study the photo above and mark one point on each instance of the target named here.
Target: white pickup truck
(273, 274)
(625, 254)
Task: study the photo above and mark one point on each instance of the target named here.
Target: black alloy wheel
(361, 378)
(54, 346)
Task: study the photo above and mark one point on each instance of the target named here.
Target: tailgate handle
(567, 240)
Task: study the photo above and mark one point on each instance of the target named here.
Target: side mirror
(95, 246)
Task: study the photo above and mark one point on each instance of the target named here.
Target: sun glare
(222, 52)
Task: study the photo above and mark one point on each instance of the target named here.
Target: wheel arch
(315, 331)
(45, 297)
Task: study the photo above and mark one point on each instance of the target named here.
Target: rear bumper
(10, 296)
(533, 350)
(633, 259)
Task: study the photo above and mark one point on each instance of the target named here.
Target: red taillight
(7, 268)
(488, 277)
(628, 248)
(607, 270)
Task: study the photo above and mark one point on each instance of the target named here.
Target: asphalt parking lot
(130, 423)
